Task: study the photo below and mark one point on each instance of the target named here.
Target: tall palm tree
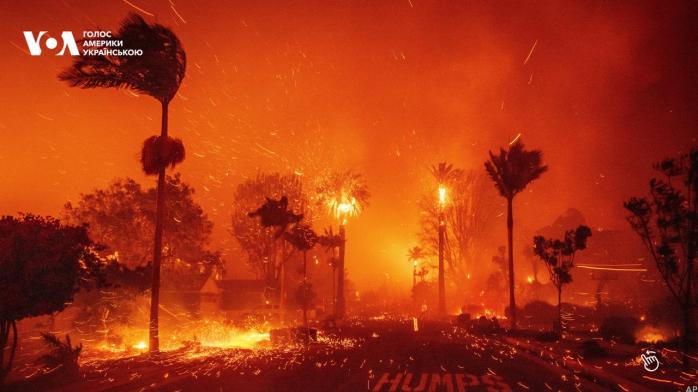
(158, 72)
(345, 194)
(415, 255)
(444, 174)
(512, 170)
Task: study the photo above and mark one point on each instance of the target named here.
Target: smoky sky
(386, 88)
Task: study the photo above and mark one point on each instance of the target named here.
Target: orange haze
(384, 87)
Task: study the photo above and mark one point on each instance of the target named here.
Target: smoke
(604, 89)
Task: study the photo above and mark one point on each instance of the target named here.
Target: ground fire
(393, 195)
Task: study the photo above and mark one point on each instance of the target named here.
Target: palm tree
(158, 72)
(445, 174)
(303, 238)
(415, 255)
(512, 170)
(344, 194)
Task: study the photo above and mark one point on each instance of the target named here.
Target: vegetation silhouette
(511, 171)
(558, 256)
(667, 223)
(121, 217)
(260, 243)
(42, 265)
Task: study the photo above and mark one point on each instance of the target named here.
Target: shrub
(62, 355)
(622, 329)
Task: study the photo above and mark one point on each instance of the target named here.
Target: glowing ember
(344, 207)
(203, 333)
(650, 335)
(140, 345)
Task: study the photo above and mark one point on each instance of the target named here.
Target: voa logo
(34, 43)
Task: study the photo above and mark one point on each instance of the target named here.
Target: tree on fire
(467, 216)
(667, 223)
(444, 174)
(258, 241)
(122, 217)
(158, 72)
(42, 265)
(344, 194)
(511, 171)
(558, 256)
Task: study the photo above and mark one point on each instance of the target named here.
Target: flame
(529, 279)
(203, 333)
(442, 196)
(344, 207)
(650, 335)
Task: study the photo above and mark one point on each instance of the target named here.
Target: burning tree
(158, 72)
(466, 220)
(444, 174)
(558, 256)
(667, 223)
(415, 255)
(511, 171)
(42, 265)
(344, 194)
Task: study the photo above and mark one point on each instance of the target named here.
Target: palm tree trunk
(157, 249)
(510, 240)
(306, 334)
(559, 309)
(341, 304)
(282, 285)
(334, 289)
(414, 277)
(442, 279)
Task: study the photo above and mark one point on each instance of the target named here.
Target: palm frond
(513, 169)
(158, 72)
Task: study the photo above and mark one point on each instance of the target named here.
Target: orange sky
(383, 87)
